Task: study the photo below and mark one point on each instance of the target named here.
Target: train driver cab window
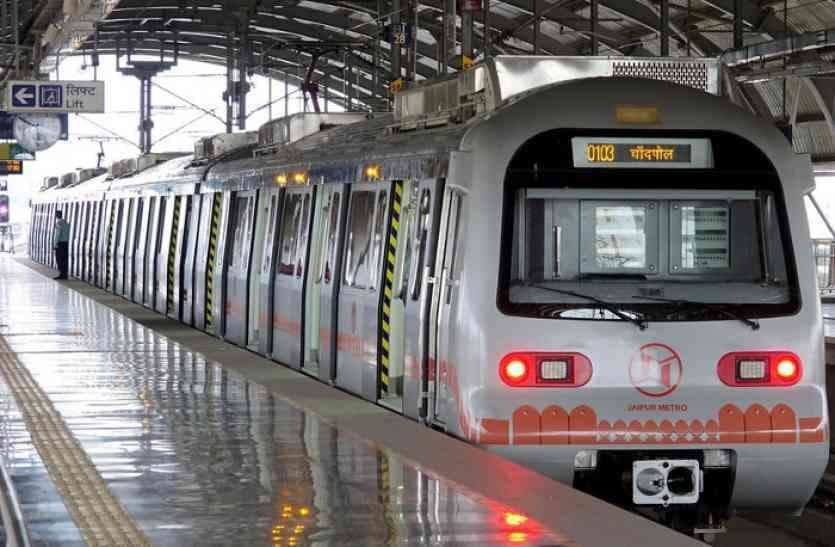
(656, 255)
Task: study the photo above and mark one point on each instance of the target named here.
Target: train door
(216, 270)
(409, 247)
(126, 246)
(323, 281)
(443, 298)
(206, 254)
(69, 209)
(140, 262)
(106, 244)
(242, 213)
(357, 367)
(151, 252)
(175, 254)
(50, 228)
(165, 276)
(93, 242)
(289, 278)
(313, 282)
(260, 253)
(81, 233)
(266, 278)
(195, 203)
(118, 235)
(151, 260)
(126, 265)
(136, 249)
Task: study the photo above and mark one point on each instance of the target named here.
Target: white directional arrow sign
(25, 95)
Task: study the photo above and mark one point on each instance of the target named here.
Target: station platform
(120, 427)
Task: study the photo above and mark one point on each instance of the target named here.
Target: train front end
(655, 337)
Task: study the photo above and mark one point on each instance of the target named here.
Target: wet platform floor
(193, 452)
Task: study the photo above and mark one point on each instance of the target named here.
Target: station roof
(341, 37)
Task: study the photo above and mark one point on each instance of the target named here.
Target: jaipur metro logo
(655, 370)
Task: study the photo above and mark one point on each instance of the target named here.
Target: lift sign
(628, 152)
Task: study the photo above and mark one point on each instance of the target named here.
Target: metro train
(606, 279)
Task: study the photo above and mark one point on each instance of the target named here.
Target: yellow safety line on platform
(100, 517)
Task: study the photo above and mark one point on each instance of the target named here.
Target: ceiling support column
(242, 83)
(739, 40)
(468, 9)
(395, 40)
(227, 95)
(665, 28)
(536, 25)
(594, 15)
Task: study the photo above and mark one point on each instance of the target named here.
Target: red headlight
(540, 369)
(787, 369)
(760, 369)
(514, 369)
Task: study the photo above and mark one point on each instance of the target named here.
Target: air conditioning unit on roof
(287, 130)
(217, 145)
(68, 179)
(86, 174)
(123, 168)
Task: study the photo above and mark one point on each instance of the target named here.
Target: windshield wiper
(755, 325)
(608, 306)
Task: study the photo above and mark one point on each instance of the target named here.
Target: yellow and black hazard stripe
(384, 494)
(388, 288)
(210, 264)
(172, 256)
(108, 262)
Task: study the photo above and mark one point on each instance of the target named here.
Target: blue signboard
(51, 96)
(23, 95)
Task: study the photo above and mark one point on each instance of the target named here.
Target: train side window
(273, 219)
(303, 231)
(419, 242)
(379, 234)
(333, 231)
(289, 224)
(359, 239)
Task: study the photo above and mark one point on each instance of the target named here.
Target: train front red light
(787, 369)
(759, 369)
(540, 369)
(515, 370)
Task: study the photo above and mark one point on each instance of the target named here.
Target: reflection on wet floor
(200, 456)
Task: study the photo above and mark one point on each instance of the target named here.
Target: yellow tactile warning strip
(100, 517)
(172, 256)
(388, 287)
(210, 264)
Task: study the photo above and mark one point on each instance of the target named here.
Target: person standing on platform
(61, 244)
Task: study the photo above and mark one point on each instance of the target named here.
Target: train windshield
(646, 246)
(675, 251)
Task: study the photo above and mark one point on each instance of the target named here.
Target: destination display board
(11, 167)
(619, 152)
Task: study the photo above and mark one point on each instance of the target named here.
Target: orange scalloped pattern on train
(557, 426)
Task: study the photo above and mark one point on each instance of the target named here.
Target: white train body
(651, 301)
